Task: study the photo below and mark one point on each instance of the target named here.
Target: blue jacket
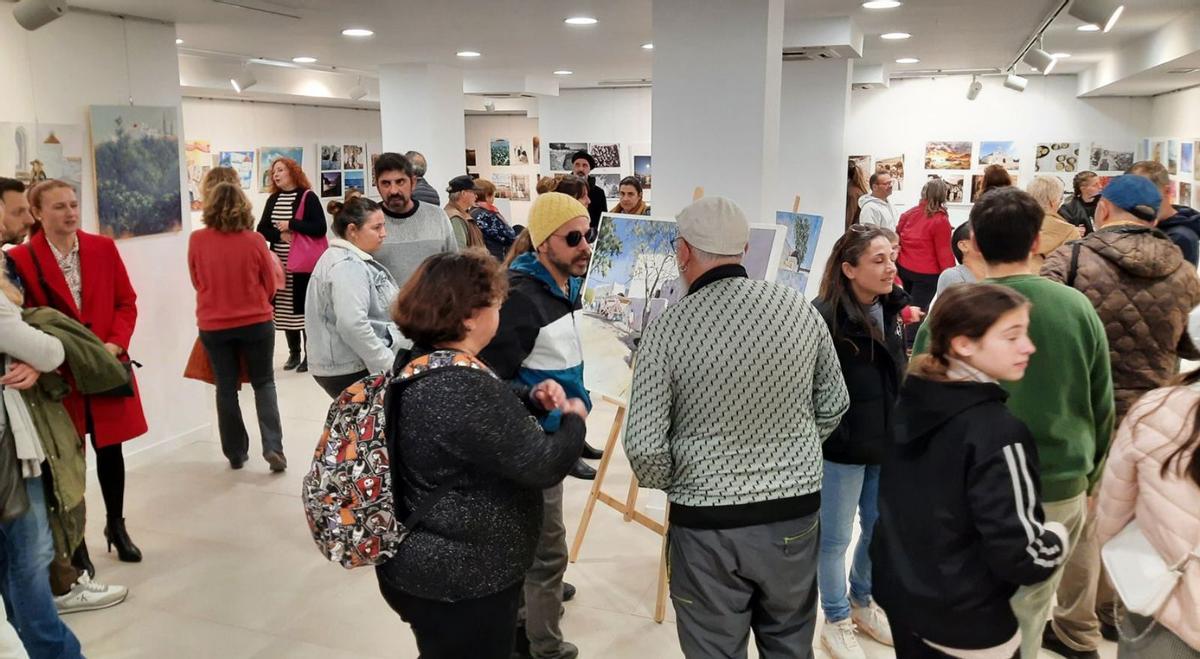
(538, 338)
(1183, 228)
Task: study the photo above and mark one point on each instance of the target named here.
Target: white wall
(1176, 114)
(53, 75)
(518, 130)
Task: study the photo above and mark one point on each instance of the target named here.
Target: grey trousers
(543, 582)
(727, 582)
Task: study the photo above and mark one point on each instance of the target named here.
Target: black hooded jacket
(1183, 228)
(960, 515)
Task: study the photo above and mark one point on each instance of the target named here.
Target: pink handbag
(305, 250)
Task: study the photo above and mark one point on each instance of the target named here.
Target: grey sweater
(414, 237)
(734, 390)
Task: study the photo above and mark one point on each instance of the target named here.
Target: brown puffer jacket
(1143, 291)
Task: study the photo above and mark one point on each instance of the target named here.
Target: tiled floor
(231, 571)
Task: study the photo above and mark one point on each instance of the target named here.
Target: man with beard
(582, 164)
(415, 230)
(537, 340)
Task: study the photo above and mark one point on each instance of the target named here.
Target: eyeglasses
(575, 237)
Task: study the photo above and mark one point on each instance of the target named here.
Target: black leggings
(922, 288)
(483, 628)
(295, 338)
(110, 470)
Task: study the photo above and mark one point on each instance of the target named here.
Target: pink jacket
(1167, 509)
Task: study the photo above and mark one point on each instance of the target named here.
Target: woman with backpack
(461, 442)
(960, 516)
(861, 305)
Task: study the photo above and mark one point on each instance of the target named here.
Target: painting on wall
(1105, 159)
(198, 156)
(954, 183)
(893, 166)
(241, 162)
(1185, 194)
(863, 163)
(1158, 151)
(331, 184)
(1186, 157)
(948, 155)
(1000, 153)
(520, 155)
(1173, 156)
(503, 183)
(135, 150)
(470, 157)
(500, 153)
(331, 157)
(268, 155)
(799, 248)
(641, 169)
(520, 187)
(609, 183)
(354, 180)
(561, 152)
(608, 156)
(354, 156)
(32, 153)
(1057, 157)
(537, 150)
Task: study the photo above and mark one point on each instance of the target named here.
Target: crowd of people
(991, 402)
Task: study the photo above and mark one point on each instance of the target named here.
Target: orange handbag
(199, 367)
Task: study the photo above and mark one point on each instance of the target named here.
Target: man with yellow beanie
(537, 340)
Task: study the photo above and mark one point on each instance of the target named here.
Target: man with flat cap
(734, 390)
(582, 164)
(458, 209)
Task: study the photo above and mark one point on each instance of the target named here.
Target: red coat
(925, 241)
(109, 311)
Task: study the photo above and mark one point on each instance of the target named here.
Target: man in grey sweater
(734, 390)
(415, 230)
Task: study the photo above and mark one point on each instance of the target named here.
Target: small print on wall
(610, 184)
(354, 156)
(355, 181)
(500, 153)
(520, 156)
(331, 184)
(198, 156)
(863, 163)
(1057, 157)
(520, 187)
(241, 162)
(32, 153)
(537, 150)
(893, 166)
(948, 155)
(470, 158)
(606, 155)
(503, 183)
(1185, 194)
(954, 192)
(1186, 157)
(999, 153)
(268, 155)
(331, 157)
(1173, 156)
(1158, 152)
(561, 152)
(1105, 159)
(136, 156)
(641, 169)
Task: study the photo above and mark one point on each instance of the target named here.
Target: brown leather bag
(199, 367)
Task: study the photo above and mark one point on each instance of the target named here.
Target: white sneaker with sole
(87, 595)
(873, 622)
(839, 640)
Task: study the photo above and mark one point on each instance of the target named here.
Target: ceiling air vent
(630, 82)
(817, 54)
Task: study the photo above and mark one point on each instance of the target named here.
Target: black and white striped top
(285, 319)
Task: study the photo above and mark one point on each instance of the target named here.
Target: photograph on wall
(268, 155)
(331, 157)
(32, 153)
(136, 153)
(1158, 151)
(863, 163)
(354, 180)
(500, 153)
(607, 156)
(537, 150)
(641, 169)
(470, 157)
(954, 191)
(999, 153)
(198, 156)
(609, 183)
(948, 155)
(893, 166)
(1173, 156)
(354, 156)
(631, 280)
(520, 187)
(331, 184)
(503, 183)
(764, 251)
(520, 155)
(240, 161)
(1186, 158)
(1185, 194)
(1105, 159)
(1057, 157)
(561, 152)
(799, 248)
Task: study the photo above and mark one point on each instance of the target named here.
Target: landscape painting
(268, 154)
(500, 153)
(354, 181)
(641, 169)
(561, 152)
(799, 247)
(242, 162)
(136, 152)
(1186, 158)
(32, 153)
(331, 184)
(948, 155)
(503, 183)
(1105, 159)
(1057, 157)
(999, 153)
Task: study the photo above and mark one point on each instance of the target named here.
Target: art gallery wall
(519, 131)
(46, 82)
(901, 119)
(1176, 114)
(247, 125)
(598, 116)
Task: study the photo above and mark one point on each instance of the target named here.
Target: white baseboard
(140, 452)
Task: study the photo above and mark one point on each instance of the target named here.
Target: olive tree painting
(799, 248)
(136, 153)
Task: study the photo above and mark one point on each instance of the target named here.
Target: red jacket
(109, 311)
(233, 277)
(925, 242)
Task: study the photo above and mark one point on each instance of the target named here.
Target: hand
(114, 349)
(286, 237)
(20, 376)
(915, 314)
(282, 225)
(575, 406)
(1081, 231)
(549, 395)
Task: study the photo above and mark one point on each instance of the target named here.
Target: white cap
(715, 225)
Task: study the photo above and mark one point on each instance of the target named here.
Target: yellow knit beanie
(551, 211)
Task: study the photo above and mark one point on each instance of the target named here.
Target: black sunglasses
(573, 238)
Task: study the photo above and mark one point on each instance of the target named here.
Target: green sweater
(1066, 397)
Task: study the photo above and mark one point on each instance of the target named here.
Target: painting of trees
(608, 246)
(136, 152)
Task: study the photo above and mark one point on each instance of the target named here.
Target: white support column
(421, 109)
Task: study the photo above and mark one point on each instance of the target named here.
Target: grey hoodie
(877, 211)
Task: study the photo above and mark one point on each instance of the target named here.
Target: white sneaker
(87, 595)
(839, 640)
(873, 621)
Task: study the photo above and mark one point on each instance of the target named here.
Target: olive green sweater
(1066, 397)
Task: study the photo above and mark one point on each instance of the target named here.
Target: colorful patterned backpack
(347, 493)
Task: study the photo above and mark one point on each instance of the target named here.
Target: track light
(1016, 82)
(974, 89)
(244, 81)
(1102, 13)
(32, 14)
(1040, 60)
(358, 91)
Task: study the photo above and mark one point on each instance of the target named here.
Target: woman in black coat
(457, 576)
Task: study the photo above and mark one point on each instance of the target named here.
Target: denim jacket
(346, 313)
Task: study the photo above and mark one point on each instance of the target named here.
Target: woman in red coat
(82, 276)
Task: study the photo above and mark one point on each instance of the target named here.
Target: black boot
(583, 471)
(292, 362)
(116, 534)
(82, 561)
(591, 452)
(303, 367)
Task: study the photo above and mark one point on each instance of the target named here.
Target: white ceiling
(529, 36)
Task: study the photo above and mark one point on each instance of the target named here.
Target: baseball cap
(1134, 194)
(715, 225)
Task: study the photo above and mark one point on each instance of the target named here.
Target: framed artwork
(242, 162)
(520, 187)
(1186, 157)
(608, 156)
(354, 180)
(198, 156)
(500, 153)
(610, 184)
(537, 150)
(503, 183)
(331, 184)
(1173, 156)
(893, 166)
(999, 153)
(954, 192)
(331, 157)
(1158, 151)
(268, 155)
(1057, 157)
(560, 155)
(802, 231)
(32, 153)
(470, 158)
(354, 156)
(948, 155)
(520, 155)
(641, 169)
(1105, 159)
(136, 152)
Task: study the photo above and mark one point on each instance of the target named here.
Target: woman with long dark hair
(861, 304)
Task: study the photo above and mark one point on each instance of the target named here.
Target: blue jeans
(844, 490)
(26, 550)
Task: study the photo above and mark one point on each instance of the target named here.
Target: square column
(421, 108)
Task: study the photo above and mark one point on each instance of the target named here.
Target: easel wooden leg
(595, 493)
(631, 498)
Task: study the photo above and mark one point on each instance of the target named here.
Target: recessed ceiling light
(467, 53)
(357, 32)
(907, 60)
(563, 72)
(1088, 27)
(647, 46)
(179, 42)
(894, 36)
(1060, 55)
(304, 60)
(581, 20)
(881, 4)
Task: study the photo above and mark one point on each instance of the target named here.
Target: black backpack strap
(1074, 270)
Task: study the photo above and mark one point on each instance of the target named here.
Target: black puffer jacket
(480, 538)
(873, 371)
